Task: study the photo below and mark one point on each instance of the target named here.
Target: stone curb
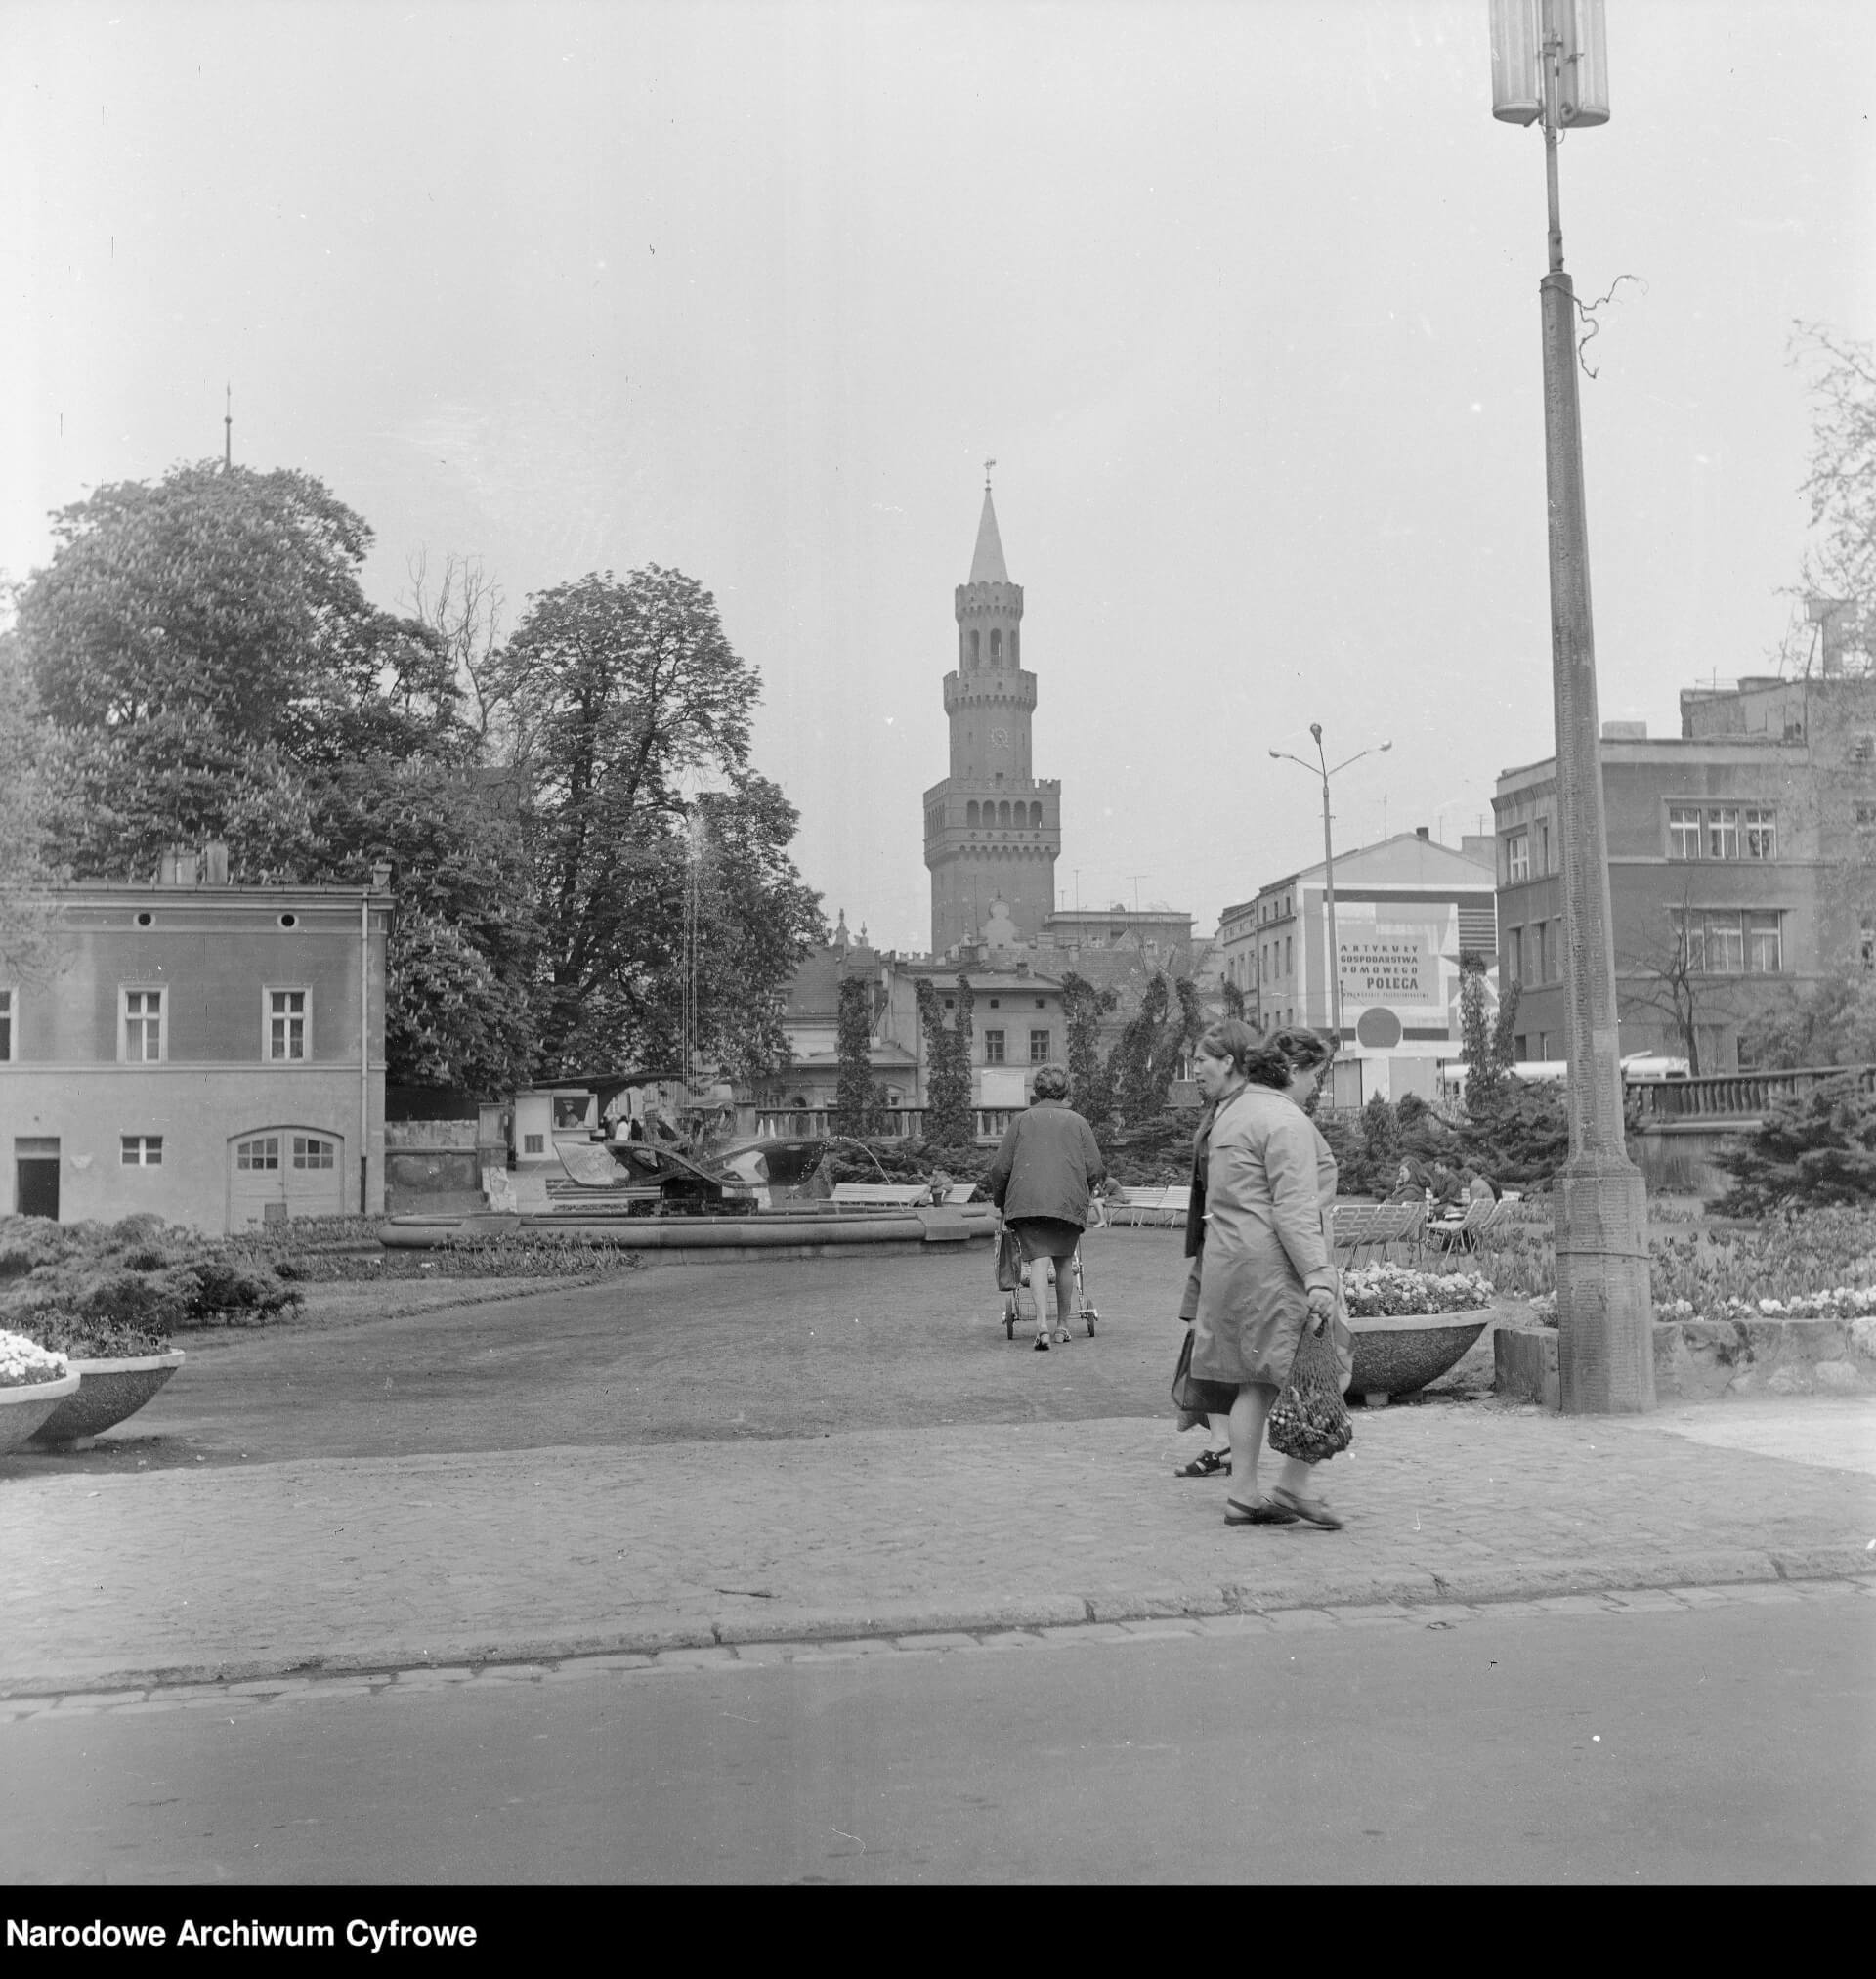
(1014, 1615)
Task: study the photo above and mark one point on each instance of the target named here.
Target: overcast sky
(1241, 297)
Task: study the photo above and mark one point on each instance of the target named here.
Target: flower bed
(1842, 1302)
(1381, 1290)
(24, 1363)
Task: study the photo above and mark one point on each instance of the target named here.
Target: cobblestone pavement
(112, 1582)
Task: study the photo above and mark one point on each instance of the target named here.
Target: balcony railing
(889, 1123)
(1734, 1096)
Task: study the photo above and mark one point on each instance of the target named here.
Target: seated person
(1410, 1184)
(1448, 1192)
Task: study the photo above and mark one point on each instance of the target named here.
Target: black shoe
(1207, 1464)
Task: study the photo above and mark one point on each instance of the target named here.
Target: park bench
(1462, 1233)
(1164, 1208)
(1374, 1227)
(884, 1195)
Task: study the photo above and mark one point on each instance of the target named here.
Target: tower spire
(228, 427)
(987, 564)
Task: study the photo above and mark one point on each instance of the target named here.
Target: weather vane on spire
(988, 465)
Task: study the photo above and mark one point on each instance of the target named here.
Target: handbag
(1192, 1395)
(1010, 1260)
(1309, 1420)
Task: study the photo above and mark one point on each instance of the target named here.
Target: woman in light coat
(1267, 1265)
(1042, 1178)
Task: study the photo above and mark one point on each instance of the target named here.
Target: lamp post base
(1604, 1313)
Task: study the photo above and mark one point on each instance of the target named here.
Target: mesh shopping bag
(1309, 1420)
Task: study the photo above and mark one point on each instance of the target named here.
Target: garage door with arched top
(278, 1172)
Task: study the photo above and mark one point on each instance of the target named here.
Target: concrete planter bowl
(107, 1392)
(1399, 1353)
(23, 1409)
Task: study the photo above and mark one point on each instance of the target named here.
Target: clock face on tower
(999, 738)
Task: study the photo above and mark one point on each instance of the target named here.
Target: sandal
(1207, 1464)
(1264, 1513)
(1041, 1343)
(1315, 1510)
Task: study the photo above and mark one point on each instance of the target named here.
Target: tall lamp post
(1320, 768)
(1550, 63)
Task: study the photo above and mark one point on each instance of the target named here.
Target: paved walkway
(246, 1572)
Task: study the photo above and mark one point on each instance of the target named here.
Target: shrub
(1813, 1149)
(99, 1290)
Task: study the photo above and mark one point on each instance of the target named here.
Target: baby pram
(1020, 1307)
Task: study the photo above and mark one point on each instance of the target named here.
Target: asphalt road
(675, 1353)
(1733, 1743)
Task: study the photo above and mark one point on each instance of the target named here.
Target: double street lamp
(1550, 64)
(1320, 768)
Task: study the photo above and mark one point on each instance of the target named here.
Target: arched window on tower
(970, 813)
(996, 647)
(1014, 649)
(1002, 812)
(973, 648)
(1035, 817)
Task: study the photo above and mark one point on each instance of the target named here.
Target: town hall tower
(991, 831)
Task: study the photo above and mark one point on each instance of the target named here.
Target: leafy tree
(853, 1099)
(950, 1116)
(1138, 1064)
(1233, 998)
(1525, 1138)
(1834, 1023)
(1813, 1149)
(1091, 1083)
(1476, 1037)
(31, 766)
(1504, 1027)
(214, 670)
(1840, 483)
(627, 704)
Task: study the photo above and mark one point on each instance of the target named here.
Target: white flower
(25, 1362)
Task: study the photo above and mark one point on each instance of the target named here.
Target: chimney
(1421, 832)
(215, 862)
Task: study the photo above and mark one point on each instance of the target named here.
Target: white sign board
(1389, 965)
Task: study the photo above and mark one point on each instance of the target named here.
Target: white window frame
(127, 990)
(268, 992)
(1518, 858)
(1725, 931)
(134, 1151)
(1000, 1055)
(1684, 831)
(1755, 936)
(262, 1166)
(301, 1152)
(10, 1016)
(1758, 832)
(1722, 832)
(1047, 1037)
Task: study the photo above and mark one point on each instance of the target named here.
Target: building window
(262, 1152)
(536, 1143)
(1544, 845)
(1722, 833)
(143, 1026)
(1684, 831)
(1286, 954)
(1514, 956)
(287, 1013)
(993, 1047)
(1762, 834)
(6, 1027)
(1764, 942)
(1546, 951)
(1521, 1048)
(1518, 858)
(1038, 1048)
(1715, 944)
(139, 1150)
(309, 1151)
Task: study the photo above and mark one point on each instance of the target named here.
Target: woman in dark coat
(1042, 1179)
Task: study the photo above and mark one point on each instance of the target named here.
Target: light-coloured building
(211, 1054)
(1742, 865)
(1406, 910)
